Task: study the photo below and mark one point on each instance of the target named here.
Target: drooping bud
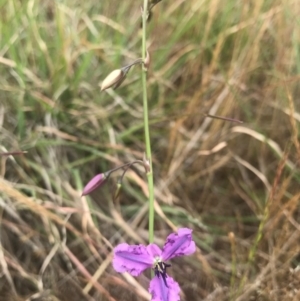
(117, 192)
(94, 183)
(114, 78)
(147, 60)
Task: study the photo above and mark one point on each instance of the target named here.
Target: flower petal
(160, 292)
(154, 250)
(179, 244)
(133, 259)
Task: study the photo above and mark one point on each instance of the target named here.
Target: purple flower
(94, 183)
(134, 259)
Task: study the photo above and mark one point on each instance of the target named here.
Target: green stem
(146, 128)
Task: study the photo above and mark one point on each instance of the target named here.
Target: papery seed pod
(94, 183)
(147, 60)
(118, 84)
(124, 72)
(113, 78)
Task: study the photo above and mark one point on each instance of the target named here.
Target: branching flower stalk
(114, 80)
(100, 179)
(134, 259)
(146, 126)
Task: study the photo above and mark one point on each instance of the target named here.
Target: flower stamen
(160, 269)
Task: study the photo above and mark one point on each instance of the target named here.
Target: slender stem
(137, 61)
(129, 166)
(125, 165)
(109, 172)
(13, 153)
(146, 128)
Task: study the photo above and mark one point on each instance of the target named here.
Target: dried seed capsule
(113, 78)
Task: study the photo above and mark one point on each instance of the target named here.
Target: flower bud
(117, 192)
(113, 78)
(94, 183)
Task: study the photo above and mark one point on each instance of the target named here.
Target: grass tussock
(236, 185)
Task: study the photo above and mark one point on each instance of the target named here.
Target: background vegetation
(236, 185)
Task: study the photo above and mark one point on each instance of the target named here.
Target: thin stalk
(124, 165)
(137, 61)
(146, 128)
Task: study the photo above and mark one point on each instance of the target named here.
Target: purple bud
(94, 183)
